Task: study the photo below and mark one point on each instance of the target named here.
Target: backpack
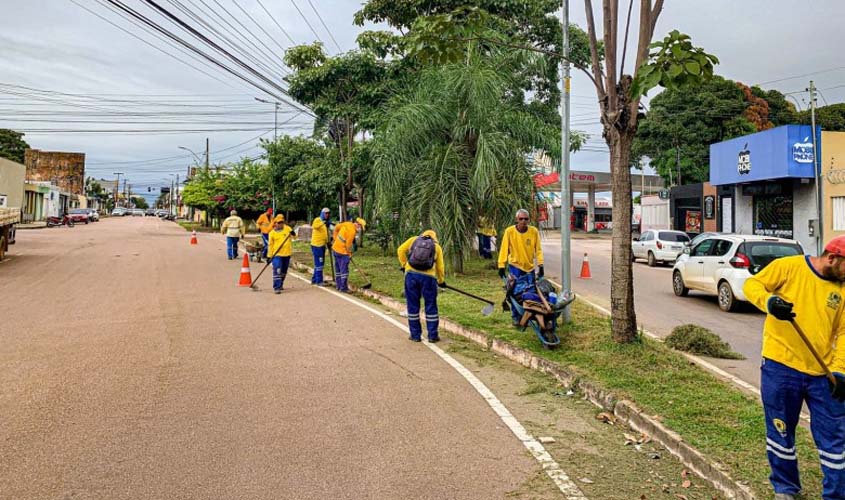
(422, 253)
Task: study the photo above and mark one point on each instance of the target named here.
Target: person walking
(519, 250)
(343, 247)
(234, 229)
(265, 225)
(421, 259)
(319, 241)
(485, 232)
(807, 290)
(280, 249)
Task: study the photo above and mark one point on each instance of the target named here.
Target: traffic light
(149, 189)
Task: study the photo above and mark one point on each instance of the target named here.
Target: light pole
(565, 249)
(196, 156)
(117, 187)
(171, 194)
(275, 115)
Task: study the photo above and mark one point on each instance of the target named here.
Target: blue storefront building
(766, 184)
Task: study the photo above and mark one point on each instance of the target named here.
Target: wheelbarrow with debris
(254, 248)
(538, 303)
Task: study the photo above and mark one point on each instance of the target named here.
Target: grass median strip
(709, 414)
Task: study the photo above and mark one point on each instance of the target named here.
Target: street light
(196, 156)
(117, 187)
(275, 116)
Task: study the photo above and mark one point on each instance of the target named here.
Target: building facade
(65, 170)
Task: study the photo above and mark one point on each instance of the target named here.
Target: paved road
(659, 310)
(131, 366)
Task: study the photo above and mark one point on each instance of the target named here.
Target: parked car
(658, 246)
(93, 215)
(149, 212)
(720, 264)
(79, 215)
(117, 212)
(136, 212)
(697, 239)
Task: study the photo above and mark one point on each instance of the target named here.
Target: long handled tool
(369, 283)
(488, 309)
(815, 353)
(329, 252)
(269, 261)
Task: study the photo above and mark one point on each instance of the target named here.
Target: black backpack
(422, 253)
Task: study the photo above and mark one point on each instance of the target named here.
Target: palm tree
(454, 148)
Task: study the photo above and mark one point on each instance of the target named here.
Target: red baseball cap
(836, 246)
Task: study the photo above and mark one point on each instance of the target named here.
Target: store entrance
(773, 210)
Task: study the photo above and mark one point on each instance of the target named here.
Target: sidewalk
(32, 225)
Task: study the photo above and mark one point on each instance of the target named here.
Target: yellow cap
(278, 218)
(362, 222)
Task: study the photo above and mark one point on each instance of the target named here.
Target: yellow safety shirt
(233, 226)
(486, 228)
(439, 269)
(818, 309)
(265, 225)
(277, 237)
(344, 238)
(521, 249)
(319, 233)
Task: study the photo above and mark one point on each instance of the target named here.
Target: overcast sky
(58, 46)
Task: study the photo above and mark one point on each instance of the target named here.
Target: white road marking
(569, 489)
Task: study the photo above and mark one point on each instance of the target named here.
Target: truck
(12, 175)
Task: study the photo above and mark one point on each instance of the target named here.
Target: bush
(699, 340)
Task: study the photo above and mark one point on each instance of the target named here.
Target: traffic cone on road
(246, 277)
(585, 268)
(193, 237)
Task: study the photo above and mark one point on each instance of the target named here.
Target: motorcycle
(59, 221)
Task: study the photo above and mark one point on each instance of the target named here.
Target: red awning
(541, 180)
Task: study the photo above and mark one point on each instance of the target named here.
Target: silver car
(659, 245)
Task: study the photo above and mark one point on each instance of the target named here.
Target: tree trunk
(623, 316)
(343, 200)
(458, 261)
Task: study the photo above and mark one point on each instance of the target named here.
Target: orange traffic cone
(193, 237)
(585, 268)
(246, 277)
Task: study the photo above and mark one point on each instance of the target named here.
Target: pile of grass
(702, 341)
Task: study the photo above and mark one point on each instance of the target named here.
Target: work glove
(541, 272)
(501, 272)
(442, 285)
(402, 268)
(837, 390)
(780, 308)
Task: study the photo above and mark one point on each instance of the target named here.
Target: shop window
(773, 216)
(838, 213)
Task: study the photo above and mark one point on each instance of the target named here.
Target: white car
(720, 264)
(659, 245)
(119, 211)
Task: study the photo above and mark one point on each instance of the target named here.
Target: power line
(324, 26)
(306, 21)
(276, 22)
(804, 75)
(259, 26)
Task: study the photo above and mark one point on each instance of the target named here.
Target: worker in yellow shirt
(486, 230)
(319, 241)
(234, 229)
(342, 248)
(519, 250)
(421, 258)
(280, 249)
(265, 225)
(810, 291)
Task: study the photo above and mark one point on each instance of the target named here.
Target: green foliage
(140, 202)
(381, 232)
(830, 118)
(699, 340)
(305, 174)
(673, 63)
(200, 190)
(453, 149)
(243, 186)
(12, 145)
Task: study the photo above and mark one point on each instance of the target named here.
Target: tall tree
(12, 145)
(305, 173)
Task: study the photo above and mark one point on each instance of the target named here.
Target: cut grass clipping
(699, 340)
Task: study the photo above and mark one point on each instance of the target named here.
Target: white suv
(658, 245)
(720, 264)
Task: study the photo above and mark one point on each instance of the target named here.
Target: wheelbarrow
(538, 305)
(254, 248)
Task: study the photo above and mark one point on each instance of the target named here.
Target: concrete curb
(624, 410)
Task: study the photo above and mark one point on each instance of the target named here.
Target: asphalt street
(658, 309)
(134, 367)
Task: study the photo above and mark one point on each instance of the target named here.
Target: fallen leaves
(606, 418)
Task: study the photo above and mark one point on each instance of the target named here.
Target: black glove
(501, 272)
(402, 268)
(837, 390)
(780, 308)
(442, 285)
(541, 272)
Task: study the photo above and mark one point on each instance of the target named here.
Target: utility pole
(275, 137)
(177, 195)
(206, 153)
(565, 249)
(816, 171)
(116, 187)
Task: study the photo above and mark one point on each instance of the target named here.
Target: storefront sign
(778, 153)
(663, 194)
(709, 207)
(693, 221)
(836, 176)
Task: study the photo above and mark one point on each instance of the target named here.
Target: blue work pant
(266, 238)
(516, 273)
(319, 254)
(484, 246)
(280, 271)
(784, 390)
(232, 247)
(341, 271)
(421, 286)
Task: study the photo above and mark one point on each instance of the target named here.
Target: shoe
(230, 258)
(784, 496)
(277, 292)
(412, 339)
(433, 340)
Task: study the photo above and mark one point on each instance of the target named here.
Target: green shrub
(699, 340)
